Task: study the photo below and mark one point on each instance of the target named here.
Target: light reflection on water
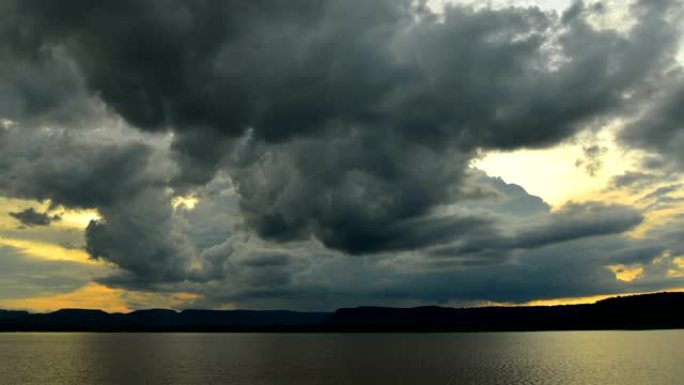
(620, 358)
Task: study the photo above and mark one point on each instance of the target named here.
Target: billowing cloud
(323, 135)
(125, 181)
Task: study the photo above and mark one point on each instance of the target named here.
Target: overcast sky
(316, 154)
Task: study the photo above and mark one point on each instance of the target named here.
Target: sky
(319, 154)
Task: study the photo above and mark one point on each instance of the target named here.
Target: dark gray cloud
(124, 180)
(68, 170)
(39, 83)
(660, 128)
(368, 112)
(30, 217)
(643, 254)
(514, 256)
(573, 221)
(567, 269)
(579, 220)
(324, 127)
(139, 237)
(358, 194)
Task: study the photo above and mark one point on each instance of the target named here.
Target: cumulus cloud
(124, 180)
(139, 237)
(336, 129)
(383, 82)
(52, 164)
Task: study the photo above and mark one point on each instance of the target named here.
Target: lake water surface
(592, 358)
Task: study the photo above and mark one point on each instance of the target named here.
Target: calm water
(593, 358)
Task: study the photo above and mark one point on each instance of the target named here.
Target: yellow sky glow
(77, 218)
(91, 296)
(47, 251)
(590, 299)
(97, 296)
(553, 173)
(626, 273)
(188, 202)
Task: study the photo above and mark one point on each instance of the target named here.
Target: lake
(593, 358)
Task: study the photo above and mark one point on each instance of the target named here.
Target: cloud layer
(329, 141)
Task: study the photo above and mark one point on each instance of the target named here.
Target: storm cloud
(318, 129)
(124, 180)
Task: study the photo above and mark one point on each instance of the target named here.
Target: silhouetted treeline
(651, 311)
(159, 320)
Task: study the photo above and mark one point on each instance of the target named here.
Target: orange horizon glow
(48, 251)
(593, 299)
(95, 296)
(91, 296)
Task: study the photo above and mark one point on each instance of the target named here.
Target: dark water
(592, 358)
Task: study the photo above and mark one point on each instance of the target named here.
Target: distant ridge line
(635, 312)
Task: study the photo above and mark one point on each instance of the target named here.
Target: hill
(649, 311)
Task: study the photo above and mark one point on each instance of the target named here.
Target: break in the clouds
(326, 146)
